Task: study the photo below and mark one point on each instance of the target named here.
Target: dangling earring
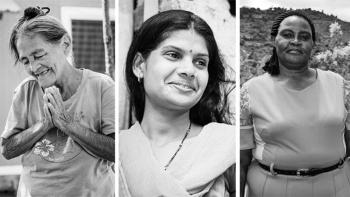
(139, 79)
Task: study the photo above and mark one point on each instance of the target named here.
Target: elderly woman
(61, 118)
(293, 120)
(179, 145)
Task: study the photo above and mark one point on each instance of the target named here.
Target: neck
(69, 81)
(302, 72)
(164, 126)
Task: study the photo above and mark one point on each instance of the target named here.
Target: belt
(303, 171)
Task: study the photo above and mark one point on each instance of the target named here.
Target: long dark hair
(271, 66)
(212, 105)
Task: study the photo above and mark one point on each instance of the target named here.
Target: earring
(139, 79)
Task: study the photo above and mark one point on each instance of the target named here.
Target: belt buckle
(302, 172)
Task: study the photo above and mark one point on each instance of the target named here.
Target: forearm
(21, 142)
(245, 160)
(98, 144)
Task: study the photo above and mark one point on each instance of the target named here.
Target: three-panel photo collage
(175, 98)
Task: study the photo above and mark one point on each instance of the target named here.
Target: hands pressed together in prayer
(55, 115)
(54, 111)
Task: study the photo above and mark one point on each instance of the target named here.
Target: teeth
(184, 86)
(43, 73)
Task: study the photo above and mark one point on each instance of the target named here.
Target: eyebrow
(302, 31)
(179, 49)
(32, 53)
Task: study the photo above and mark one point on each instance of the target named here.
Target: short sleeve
(17, 117)
(347, 102)
(246, 125)
(108, 103)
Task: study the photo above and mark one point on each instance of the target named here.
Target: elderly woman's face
(40, 58)
(294, 42)
(176, 73)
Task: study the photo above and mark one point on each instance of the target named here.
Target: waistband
(302, 171)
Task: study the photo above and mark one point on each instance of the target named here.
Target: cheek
(280, 44)
(203, 77)
(309, 47)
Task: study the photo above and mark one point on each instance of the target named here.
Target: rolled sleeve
(17, 117)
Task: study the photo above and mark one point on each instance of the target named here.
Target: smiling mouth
(41, 73)
(294, 51)
(183, 86)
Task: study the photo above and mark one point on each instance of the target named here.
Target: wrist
(42, 125)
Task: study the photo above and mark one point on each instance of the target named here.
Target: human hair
(35, 21)
(212, 105)
(271, 66)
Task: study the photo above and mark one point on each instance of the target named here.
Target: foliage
(332, 50)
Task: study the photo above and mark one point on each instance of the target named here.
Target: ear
(66, 44)
(138, 65)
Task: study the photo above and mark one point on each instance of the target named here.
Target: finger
(46, 99)
(47, 112)
(48, 115)
(52, 110)
(57, 96)
(50, 90)
(52, 99)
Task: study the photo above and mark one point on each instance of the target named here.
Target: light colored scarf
(197, 170)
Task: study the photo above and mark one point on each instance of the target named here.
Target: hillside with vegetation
(330, 53)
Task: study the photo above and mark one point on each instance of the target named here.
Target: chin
(46, 85)
(184, 103)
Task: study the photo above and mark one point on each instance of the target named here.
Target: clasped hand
(54, 110)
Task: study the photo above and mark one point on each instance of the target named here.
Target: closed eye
(24, 61)
(36, 57)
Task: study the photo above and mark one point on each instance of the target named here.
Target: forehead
(296, 23)
(187, 39)
(27, 43)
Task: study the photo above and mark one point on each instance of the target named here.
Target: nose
(33, 65)
(295, 41)
(187, 69)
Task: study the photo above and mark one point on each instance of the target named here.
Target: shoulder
(260, 80)
(219, 130)
(26, 85)
(98, 78)
(127, 134)
(329, 75)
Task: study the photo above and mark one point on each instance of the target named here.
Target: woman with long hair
(179, 145)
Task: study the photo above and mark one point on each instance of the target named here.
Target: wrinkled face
(294, 42)
(41, 59)
(175, 74)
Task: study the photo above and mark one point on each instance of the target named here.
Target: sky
(339, 8)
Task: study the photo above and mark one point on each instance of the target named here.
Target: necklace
(180, 146)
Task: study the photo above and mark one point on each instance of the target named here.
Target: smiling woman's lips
(183, 85)
(295, 51)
